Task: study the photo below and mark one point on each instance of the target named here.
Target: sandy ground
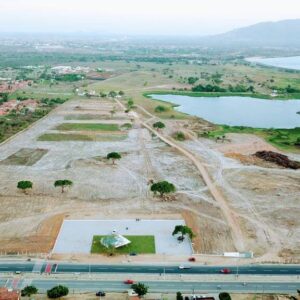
(265, 200)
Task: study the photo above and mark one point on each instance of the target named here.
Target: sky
(141, 17)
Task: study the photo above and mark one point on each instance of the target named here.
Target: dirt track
(244, 218)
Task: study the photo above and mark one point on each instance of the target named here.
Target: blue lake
(292, 62)
(239, 111)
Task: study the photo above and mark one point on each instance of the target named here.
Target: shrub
(57, 292)
(224, 296)
(160, 109)
(179, 136)
(29, 290)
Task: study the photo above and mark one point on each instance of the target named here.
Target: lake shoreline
(285, 139)
(295, 96)
(267, 62)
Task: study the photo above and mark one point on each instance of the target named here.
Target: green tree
(224, 296)
(112, 94)
(29, 290)
(159, 125)
(130, 103)
(163, 187)
(140, 288)
(179, 296)
(179, 136)
(4, 97)
(183, 230)
(57, 292)
(121, 93)
(24, 185)
(113, 156)
(192, 80)
(160, 109)
(63, 183)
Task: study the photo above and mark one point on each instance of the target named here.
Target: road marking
(48, 268)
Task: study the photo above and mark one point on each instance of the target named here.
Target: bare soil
(264, 201)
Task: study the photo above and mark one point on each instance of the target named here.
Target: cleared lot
(76, 236)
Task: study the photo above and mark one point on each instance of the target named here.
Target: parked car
(192, 259)
(133, 254)
(100, 294)
(129, 281)
(225, 271)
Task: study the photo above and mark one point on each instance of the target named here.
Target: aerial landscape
(152, 160)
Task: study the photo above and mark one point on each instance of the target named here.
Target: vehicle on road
(183, 267)
(129, 281)
(100, 294)
(192, 259)
(225, 271)
(133, 254)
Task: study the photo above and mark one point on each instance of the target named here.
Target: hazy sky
(170, 17)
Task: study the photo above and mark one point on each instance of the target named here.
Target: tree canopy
(224, 296)
(29, 290)
(57, 292)
(183, 230)
(24, 185)
(63, 183)
(159, 125)
(163, 187)
(113, 156)
(160, 108)
(140, 288)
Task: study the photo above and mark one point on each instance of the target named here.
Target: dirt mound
(279, 159)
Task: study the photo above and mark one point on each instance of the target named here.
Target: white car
(182, 267)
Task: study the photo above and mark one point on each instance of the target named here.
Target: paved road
(148, 269)
(168, 286)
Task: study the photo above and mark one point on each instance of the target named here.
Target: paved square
(76, 236)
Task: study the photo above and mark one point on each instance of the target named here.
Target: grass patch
(84, 117)
(25, 157)
(283, 139)
(60, 137)
(68, 137)
(140, 244)
(88, 127)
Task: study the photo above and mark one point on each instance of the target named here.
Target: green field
(140, 244)
(87, 127)
(69, 137)
(59, 137)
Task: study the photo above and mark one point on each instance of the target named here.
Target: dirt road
(229, 215)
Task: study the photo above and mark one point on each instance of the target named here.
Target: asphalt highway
(145, 269)
(172, 286)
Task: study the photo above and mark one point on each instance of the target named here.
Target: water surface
(239, 111)
(292, 62)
